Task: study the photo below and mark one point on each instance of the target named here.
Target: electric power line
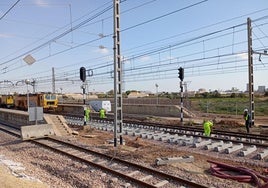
(9, 9)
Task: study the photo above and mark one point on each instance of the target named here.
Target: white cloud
(40, 3)
(2, 35)
(104, 51)
(145, 58)
(243, 56)
(101, 50)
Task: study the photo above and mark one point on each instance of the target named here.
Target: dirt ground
(221, 122)
(8, 180)
(146, 152)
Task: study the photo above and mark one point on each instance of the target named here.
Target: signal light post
(83, 77)
(181, 77)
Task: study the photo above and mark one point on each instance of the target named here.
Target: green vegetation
(229, 105)
(207, 102)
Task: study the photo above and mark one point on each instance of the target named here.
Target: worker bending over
(207, 127)
(102, 113)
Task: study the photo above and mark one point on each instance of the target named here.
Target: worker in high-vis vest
(87, 113)
(102, 113)
(247, 119)
(207, 127)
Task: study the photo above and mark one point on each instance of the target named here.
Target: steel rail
(15, 132)
(259, 140)
(184, 127)
(127, 163)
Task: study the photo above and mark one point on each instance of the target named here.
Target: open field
(232, 106)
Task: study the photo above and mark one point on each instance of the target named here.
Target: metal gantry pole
(181, 86)
(53, 80)
(84, 103)
(250, 73)
(118, 113)
(28, 98)
(181, 76)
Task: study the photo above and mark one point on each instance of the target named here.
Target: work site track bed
(226, 136)
(128, 171)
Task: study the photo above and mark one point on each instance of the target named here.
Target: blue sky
(207, 38)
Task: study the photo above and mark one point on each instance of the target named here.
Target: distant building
(235, 90)
(261, 89)
(136, 94)
(247, 87)
(190, 93)
(223, 92)
(202, 90)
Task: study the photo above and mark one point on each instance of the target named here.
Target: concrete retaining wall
(155, 110)
(71, 108)
(15, 117)
(144, 109)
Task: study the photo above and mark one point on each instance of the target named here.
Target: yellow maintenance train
(7, 101)
(48, 101)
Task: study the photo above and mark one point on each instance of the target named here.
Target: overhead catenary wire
(163, 65)
(72, 29)
(168, 64)
(136, 57)
(77, 46)
(83, 23)
(140, 24)
(162, 49)
(237, 69)
(61, 35)
(90, 19)
(9, 9)
(162, 16)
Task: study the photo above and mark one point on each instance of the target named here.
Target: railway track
(227, 136)
(234, 146)
(136, 174)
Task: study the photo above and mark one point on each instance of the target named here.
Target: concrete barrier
(36, 131)
(184, 159)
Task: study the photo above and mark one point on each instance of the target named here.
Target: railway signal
(181, 73)
(83, 74)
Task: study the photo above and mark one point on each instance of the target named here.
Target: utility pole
(250, 73)
(53, 80)
(181, 86)
(118, 113)
(157, 99)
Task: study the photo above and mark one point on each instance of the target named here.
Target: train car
(48, 101)
(7, 101)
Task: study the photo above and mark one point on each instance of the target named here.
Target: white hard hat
(246, 110)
